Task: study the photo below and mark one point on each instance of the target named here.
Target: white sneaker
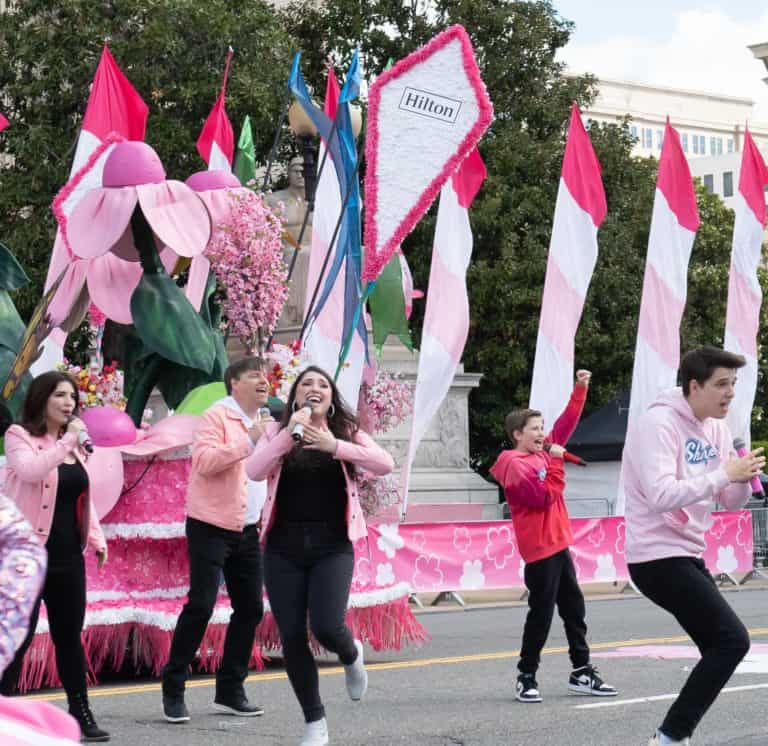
(661, 740)
(356, 675)
(315, 733)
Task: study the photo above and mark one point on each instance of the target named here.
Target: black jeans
(684, 587)
(236, 554)
(64, 596)
(310, 572)
(552, 581)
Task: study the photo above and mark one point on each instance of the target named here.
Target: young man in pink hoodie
(533, 477)
(679, 460)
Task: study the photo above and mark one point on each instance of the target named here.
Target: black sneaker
(174, 709)
(586, 680)
(237, 706)
(527, 690)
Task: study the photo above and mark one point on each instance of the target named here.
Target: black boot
(81, 711)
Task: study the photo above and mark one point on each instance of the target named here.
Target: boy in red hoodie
(533, 477)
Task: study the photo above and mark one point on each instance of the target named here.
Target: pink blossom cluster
(386, 403)
(246, 256)
(376, 493)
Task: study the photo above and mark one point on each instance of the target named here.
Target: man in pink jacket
(223, 519)
(679, 459)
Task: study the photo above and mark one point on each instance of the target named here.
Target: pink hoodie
(673, 472)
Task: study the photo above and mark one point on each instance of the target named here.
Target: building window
(728, 184)
(659, 139)
(648, 139)
(709, 182)
(695, 139)
(633, 132)
(702, 144)
(684, 141)
(730, 145)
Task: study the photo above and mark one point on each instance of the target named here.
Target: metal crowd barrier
(759, 543)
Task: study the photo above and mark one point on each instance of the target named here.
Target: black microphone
(298, 429)
(569, 457)
(83, 439)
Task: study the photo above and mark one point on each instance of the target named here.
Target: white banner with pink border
(434, 557)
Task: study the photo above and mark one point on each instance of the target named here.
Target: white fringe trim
(137, 614)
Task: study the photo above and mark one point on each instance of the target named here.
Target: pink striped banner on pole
(114, 106)
(579, 211)
(674, 224)
(216, 143)
(742, 318)
(446, 316)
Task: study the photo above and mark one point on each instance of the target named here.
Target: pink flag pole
(579, 212)
(742, 319)
(674, 224)
(446, 316)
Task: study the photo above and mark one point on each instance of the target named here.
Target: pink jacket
(266, 463)
(217, 489)
(673, 471)
(32, 479)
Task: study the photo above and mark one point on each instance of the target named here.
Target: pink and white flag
(446, 316)
(674, 224)
(114, 106)
(742, 318)
(579, 211)
(323, 339)
(216, 143)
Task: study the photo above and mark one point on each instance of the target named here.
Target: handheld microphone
(741, 450)
(83, 439)
(298, 429)
(568, 457)
(264, 413)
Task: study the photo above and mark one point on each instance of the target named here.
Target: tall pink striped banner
(579, 211)
(113, 106)
(446, 316)
(742, 318)
(674, 224)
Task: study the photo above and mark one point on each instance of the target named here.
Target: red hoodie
(533, 485)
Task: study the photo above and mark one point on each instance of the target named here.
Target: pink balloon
(108, 426)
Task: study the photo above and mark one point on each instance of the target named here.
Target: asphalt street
(458, 689)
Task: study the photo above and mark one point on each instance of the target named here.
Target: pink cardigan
(216, 492)
(266, 463)
(32, 479)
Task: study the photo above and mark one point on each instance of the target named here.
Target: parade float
(170, 274)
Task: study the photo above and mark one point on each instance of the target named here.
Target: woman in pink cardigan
(310, 519)
(47, 477)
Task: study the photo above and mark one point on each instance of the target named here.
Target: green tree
(516, 44)
(173, 52)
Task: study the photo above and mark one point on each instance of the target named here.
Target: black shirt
(64, 538)
(312, 489)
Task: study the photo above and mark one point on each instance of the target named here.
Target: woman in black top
(47, 478)
(309, 521)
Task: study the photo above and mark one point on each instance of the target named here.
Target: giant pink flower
(98, 235)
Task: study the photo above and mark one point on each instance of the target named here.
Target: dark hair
(32, 417)
(343, 424)
(517, 419)
(699, 364)
(236, 369)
